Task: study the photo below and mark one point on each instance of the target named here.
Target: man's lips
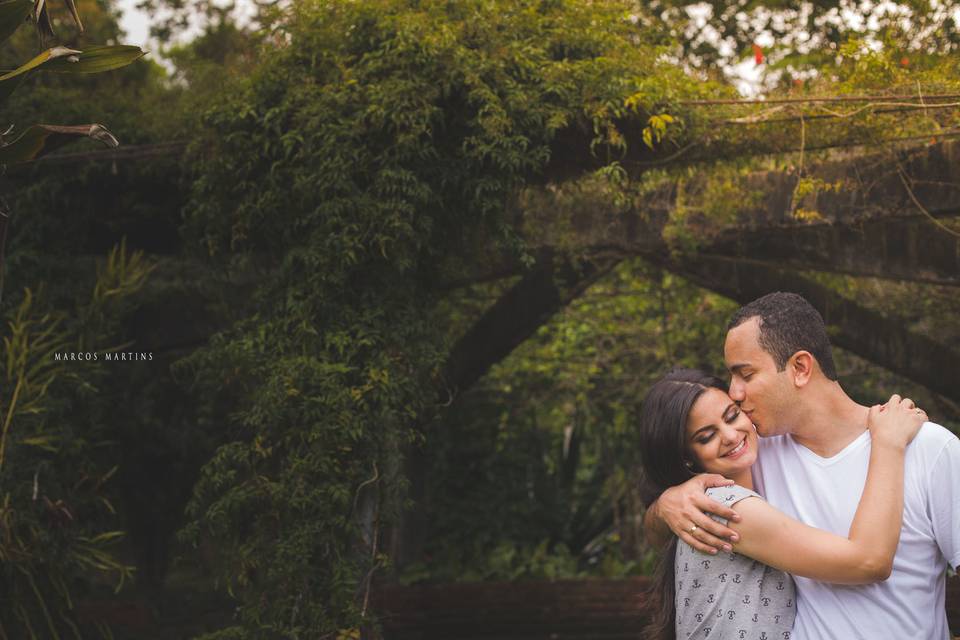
(738, 450)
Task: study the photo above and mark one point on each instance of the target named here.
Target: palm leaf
(41, 139)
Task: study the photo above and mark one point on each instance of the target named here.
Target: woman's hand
(895, 423)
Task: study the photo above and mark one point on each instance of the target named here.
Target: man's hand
(684, 509)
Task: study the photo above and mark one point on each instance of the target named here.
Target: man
(812, 465)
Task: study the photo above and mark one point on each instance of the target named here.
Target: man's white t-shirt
(825, 492)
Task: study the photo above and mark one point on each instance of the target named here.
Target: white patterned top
(728, 596)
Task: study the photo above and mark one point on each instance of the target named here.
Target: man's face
(764, 393)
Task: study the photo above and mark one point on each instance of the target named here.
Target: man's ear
(801, 366)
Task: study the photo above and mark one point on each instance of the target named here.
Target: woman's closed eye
(731, 413)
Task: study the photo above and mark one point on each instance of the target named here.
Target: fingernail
(727, 547)
(713, 552)
(734, 538)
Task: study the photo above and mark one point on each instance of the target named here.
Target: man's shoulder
(931, 440)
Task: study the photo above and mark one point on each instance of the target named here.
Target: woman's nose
(729, 434)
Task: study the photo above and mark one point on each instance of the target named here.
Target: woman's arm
(866, 555)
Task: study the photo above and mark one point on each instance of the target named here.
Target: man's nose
(736, 389)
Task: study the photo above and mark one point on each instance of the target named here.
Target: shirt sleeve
(944, 501)
(729, 496)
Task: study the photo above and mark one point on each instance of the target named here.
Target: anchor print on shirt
(742, 633)
(705, 563)
(696, 583)
(746, 599)
(736, 578)
(711, 598)
(780, 585)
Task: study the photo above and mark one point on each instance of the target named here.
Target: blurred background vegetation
(324, 202)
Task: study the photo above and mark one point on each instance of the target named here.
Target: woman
(689, 425)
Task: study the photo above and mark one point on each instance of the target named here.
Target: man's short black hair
(788, 323)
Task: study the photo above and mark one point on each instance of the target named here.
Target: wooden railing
(562, 610)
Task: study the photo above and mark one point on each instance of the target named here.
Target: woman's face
(720, 438)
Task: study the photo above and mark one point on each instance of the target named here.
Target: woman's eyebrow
(709, 426)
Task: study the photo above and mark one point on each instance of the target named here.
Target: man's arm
(657, 532)
(679, 509)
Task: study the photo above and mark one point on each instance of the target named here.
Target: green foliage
(55, 516)
(352, 169)
(800, 37)
(533, 473)
(53, 512)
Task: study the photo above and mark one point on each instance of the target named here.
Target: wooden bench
(590, 609)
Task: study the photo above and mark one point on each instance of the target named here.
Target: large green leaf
(65, 60)
(13, 13)
(10, 80)
(96, 59)
(40, 59)
(41, 139)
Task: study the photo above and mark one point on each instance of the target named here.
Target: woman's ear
(801, 367)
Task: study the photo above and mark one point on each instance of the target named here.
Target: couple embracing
(792, 512)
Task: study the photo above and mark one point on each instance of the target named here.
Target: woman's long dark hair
(663, 455)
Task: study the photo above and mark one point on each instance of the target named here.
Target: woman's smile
(738, 450)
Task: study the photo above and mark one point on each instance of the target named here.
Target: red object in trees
(757, 54)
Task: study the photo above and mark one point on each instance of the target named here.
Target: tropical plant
(41, 139)
(52, 507)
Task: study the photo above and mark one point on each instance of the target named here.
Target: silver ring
(693, 528)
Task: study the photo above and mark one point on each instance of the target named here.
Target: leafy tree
(371, 149)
